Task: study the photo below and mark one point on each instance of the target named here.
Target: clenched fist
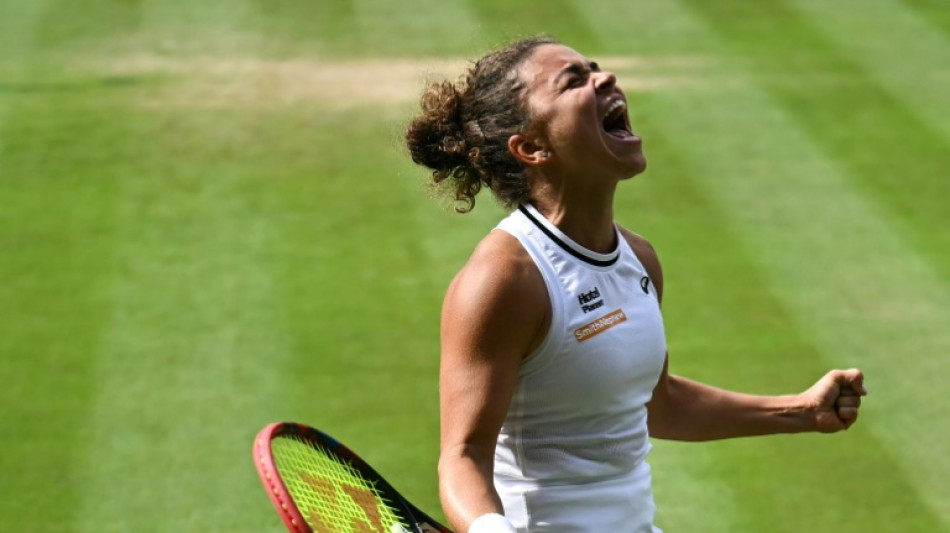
(835, 399)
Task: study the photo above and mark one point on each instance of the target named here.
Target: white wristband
(491, 523)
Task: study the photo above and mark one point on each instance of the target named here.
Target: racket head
(319, 485)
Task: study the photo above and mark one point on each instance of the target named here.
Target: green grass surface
(208, 223)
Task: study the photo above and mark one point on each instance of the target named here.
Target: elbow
(660, 427)
(448, 469)
(464, 457)
(465, 469)
(466, 488)
(659, 410)
(668, 412)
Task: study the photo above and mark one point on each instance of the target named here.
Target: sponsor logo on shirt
(590, 301)
(600, 325)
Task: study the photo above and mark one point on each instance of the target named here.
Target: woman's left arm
(683, 409)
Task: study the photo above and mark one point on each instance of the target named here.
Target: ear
(527, 150)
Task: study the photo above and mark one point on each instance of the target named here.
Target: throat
(592, 229)
(601, 241)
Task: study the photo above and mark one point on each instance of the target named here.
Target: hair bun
(436, 138)
(463, 129)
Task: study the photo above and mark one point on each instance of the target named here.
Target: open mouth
(615, 120)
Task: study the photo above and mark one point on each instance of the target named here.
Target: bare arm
(683, 409)
(494, 314)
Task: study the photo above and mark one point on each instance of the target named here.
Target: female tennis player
(553, 357)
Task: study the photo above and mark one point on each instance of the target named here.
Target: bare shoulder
(499, 259)
(499, 295)
(647, 255)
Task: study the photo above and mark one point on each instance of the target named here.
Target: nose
(604, 81)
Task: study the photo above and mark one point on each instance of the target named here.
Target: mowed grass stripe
(426, 27)
(57, 226)
(734, 335)
(191, 366)
(366, 331)
(871, 316)
(934, 11)
(727, 326)
(874, 137)
(18, 21)
(640, 27)
(180, 375)
(315, 27)
(792, 205)
(56, 230)
(782, 209)
(905, 56)
(67, 27)
(362, 303)
(561, 19)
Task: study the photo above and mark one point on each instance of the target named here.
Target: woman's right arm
(495, 312)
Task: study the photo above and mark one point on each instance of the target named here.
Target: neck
(588, 219)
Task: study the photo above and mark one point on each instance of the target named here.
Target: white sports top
(578, 414)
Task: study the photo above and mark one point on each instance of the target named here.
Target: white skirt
(619, 505)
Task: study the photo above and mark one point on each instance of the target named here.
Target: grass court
(208, 223)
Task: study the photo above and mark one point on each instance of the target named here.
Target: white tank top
(578, 413)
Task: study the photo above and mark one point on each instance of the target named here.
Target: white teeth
(617, 105)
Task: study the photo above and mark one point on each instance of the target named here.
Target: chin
(632, 161)
(638, 167)
(641, 165)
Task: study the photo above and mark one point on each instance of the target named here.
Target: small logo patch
(600, 325)
(589, 301)
(645, 284)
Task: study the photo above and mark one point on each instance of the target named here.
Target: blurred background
(208, 222)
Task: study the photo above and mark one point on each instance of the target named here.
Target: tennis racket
(320, 486)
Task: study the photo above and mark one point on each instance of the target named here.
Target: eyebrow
(576, 68)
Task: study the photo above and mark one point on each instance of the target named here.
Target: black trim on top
(544, 229)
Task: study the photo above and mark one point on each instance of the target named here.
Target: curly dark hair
(463, 130)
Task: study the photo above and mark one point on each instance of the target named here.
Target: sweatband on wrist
(491, 523)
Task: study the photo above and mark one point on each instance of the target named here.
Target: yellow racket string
(331, 495)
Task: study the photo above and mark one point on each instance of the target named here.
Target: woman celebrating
(553, 359)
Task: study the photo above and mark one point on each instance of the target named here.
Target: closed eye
(577, 74)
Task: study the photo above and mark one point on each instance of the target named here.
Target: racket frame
(418, 521)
